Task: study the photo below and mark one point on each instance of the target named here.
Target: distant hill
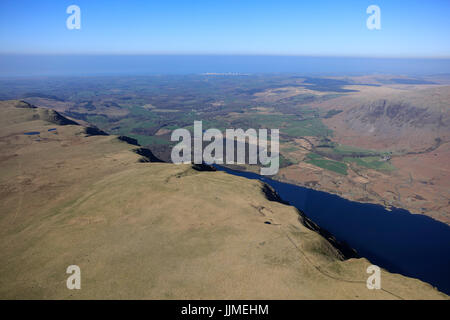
(394, 118)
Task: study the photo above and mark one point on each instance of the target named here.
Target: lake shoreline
(414, 245)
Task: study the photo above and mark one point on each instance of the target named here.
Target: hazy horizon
(323, 37)
(91, 65)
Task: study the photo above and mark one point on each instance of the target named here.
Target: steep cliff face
(155, 230)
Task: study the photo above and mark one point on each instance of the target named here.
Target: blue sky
(413, 28)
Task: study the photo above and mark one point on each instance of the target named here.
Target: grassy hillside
(153, 230)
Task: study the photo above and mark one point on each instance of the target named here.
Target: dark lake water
(413, 245)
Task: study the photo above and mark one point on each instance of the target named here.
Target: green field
(289, 125)
(345, 151)
(335, 166)
(371, 163)
(342, 149)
